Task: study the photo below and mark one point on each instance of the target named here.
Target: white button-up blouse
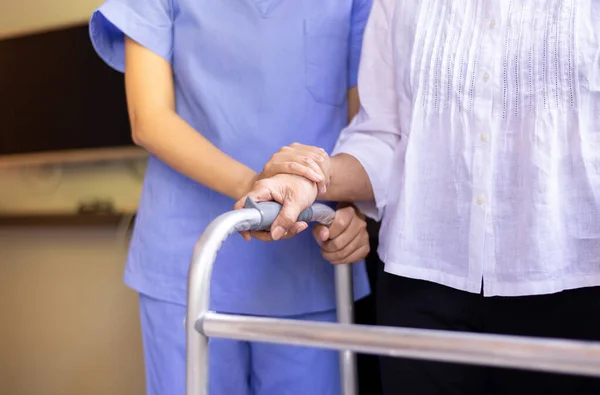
(480, 132)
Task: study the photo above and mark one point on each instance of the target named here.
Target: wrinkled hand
(301, 160)
(346, 240)
(294, 192)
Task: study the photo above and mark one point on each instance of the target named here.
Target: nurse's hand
(294, 192)
(346, 240)
(309, 162)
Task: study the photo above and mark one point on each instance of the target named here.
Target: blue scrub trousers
(236, 367)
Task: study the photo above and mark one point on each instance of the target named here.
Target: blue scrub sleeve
(148, 22)
(360, 15)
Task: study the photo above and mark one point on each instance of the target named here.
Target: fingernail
(317, 177)
(278, 233)
(323, 235)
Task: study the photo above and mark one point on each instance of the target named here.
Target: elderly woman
(478, 143)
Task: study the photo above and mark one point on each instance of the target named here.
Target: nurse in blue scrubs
(214, 87)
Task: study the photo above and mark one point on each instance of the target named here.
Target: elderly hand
(294, 192)
(309, 162)
(346, 240)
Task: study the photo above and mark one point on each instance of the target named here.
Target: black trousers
(369, 376)
(420, 304)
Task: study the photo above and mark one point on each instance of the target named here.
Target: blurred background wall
(68, 325)
(24, 16)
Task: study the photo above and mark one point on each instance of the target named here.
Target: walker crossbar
(558, 356)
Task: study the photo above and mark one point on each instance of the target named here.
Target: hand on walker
(309, 162)
(294, 192)
(347, 240)
(292, 177)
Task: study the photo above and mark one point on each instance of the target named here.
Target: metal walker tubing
(549, 355)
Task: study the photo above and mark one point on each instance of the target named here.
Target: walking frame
(549, 355)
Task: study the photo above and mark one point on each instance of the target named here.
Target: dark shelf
(65, 219)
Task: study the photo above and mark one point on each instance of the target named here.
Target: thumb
(260, 194)
(288, 216)
(240, 203)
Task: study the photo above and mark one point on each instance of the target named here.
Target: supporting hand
(301, 160)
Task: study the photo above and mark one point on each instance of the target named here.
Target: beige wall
(68, 325)
(22, 16)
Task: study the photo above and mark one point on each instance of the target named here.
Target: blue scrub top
(251, 76)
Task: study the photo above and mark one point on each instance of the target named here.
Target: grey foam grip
(270, 210)
(306, 215)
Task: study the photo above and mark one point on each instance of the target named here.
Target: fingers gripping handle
(270, 210)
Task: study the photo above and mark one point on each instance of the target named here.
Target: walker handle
(255, 216)
(270, 210)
